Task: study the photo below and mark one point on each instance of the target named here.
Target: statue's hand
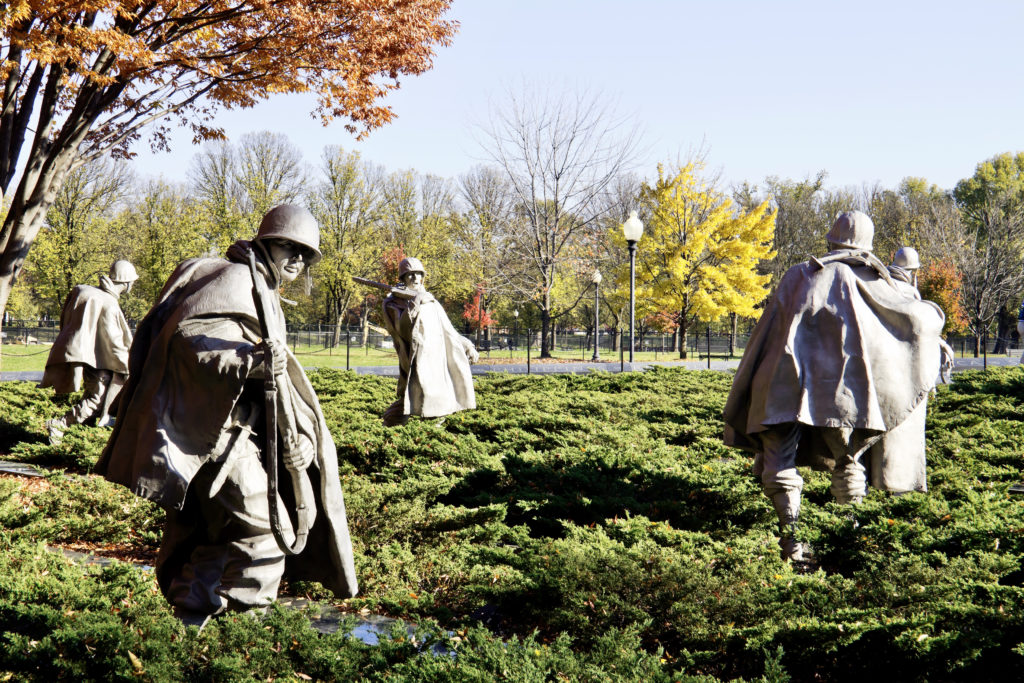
(299, 455)
(276, 352)
(472, 353)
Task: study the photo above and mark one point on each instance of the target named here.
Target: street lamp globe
(596, 277)
(633, 228)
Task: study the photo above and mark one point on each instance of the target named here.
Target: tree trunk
(1007, 323)
(732, 336)
(364, 318)
(682, 336)
(545, 331)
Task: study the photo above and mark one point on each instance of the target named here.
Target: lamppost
(633, 229)
(515, 335)
(596, 279)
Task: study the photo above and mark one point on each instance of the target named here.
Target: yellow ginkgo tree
(699, 255)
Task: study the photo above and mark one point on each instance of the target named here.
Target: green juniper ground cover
(571, 528)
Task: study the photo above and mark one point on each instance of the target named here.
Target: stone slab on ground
(21, 469)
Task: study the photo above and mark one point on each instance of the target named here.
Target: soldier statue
(91, 351)
(214, 406)
(434, 374)
(840, 357)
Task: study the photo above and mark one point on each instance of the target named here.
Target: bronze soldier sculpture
(91, 351)
(213, 387)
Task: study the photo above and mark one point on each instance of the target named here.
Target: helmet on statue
(907, 258)
(852, 230)
(410, 265)
(295, 224)
(122, 271)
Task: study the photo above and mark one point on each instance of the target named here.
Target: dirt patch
(134, 555)
(29, 485)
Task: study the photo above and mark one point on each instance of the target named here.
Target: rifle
(399, 291)
(305, 508)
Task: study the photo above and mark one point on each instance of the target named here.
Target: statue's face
(289, 257)
(413, 280)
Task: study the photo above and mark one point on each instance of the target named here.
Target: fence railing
(325, 338)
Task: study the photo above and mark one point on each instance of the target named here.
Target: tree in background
(346, 204)
(988, 251)
(85, 79)
(699, 255)
(484, 233)
(238, 183)
(805, 210)
(476, 315)
(901, 217)
(160, 229)
(560, 154)
(941, 282)
(75, 245)
(992, 198)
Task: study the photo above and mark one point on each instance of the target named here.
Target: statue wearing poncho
(191, 431)
(840, 357)
(434, 375)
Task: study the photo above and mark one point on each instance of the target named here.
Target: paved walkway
(577, 368)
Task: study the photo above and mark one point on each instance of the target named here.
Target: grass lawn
(570, 528)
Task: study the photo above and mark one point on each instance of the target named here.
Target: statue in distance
(91, 350)
(434, 377)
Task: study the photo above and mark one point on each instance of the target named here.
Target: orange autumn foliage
(940, 281)
(82, 78)
(476, 317)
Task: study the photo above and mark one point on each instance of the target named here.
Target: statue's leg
(237, 565)
(849, 448)
(254, 563)
(395, 414)
(782, 482)
(779, 476)
(94, 388)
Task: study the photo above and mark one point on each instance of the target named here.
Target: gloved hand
(299, 455)
(276, 352)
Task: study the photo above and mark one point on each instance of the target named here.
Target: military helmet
(410, 265)
(907, 258)
(295, 224)
(122, 271)
(852, 230)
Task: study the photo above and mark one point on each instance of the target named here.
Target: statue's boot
(787, 507)
(792, 549)
(55, 430)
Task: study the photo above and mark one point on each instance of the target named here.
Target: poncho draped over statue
(192, 356)
(837, 346)
(93, 332)
(435, 378)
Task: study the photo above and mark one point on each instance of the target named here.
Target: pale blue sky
(869, 91)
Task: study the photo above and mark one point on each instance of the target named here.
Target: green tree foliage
(237, 183)
(989, 245)
(76, 245)
(902, 218)
(161, 228)
(347, 205)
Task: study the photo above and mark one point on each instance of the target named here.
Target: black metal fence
(325, 338)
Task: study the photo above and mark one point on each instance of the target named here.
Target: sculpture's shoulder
(88, 294)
